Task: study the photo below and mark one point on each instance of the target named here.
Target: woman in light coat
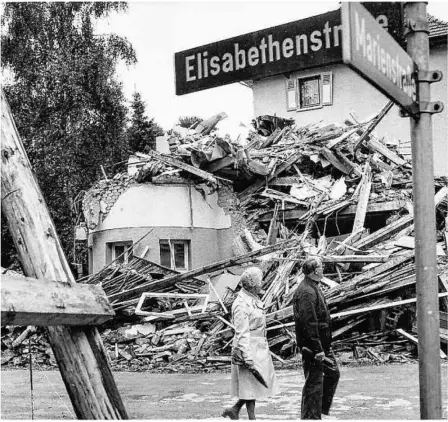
(250, 350)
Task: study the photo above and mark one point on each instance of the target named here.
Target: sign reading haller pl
(373, 53)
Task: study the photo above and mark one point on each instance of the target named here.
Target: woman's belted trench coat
(250, 345)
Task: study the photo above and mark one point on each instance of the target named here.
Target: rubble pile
(333, 191)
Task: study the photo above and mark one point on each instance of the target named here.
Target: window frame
(323, 102)
(186, 249)
(128, 248)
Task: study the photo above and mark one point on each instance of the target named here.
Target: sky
(159, 29)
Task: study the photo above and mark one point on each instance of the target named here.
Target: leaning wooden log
(240, 259)
(80, 354)
(26, 301)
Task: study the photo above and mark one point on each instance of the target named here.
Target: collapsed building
(271, 198)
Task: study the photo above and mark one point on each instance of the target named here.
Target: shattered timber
(336, 191)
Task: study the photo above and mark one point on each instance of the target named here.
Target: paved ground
(374, 392)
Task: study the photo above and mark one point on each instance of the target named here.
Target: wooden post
(79, 351)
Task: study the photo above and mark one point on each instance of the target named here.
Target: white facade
(351, 93)
(148, 205)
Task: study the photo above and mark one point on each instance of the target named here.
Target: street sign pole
(404, 78)
(428, 323)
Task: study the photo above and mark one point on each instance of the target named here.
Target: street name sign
(370, 50)
(304, 44)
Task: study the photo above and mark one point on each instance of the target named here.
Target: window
(310, 92)
(175, 254)
(119, 252)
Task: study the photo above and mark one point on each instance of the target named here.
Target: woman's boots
(234, 411)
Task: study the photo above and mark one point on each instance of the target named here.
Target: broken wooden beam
(31, 329)
(366, 133)
(79, 351)
(377, 146)
(384, 233)
(27, 301)
(363, 199)
(415, 340)
(179, 164)
(354, 258)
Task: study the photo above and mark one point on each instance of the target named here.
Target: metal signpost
(405, 79)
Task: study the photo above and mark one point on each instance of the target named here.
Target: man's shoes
(230, 413)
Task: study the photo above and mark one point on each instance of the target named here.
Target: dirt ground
(372, 392)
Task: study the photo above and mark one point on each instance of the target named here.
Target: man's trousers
(321, 381)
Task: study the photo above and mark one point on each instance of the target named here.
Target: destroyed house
(171, 220)
(295, 71)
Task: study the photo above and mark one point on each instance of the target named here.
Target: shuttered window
(309, 92)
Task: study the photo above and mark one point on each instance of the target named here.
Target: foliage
(142, 132)
(66, 100)
(189, 121)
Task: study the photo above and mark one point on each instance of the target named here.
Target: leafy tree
(189, 121)
(142, 132)
(67, 103)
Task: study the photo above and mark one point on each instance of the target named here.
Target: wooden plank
(415, 340)
(285, 181)
(380, 306)
(363, 199)
(376, 146)
(273, 227)
(354, 258)
(384, 233)
(79, 352)
(27, 301)
(388, 265)
(179, 164)
(280, 196)
(347, 327)
(330, 283)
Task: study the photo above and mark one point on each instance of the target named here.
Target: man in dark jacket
(313, 332)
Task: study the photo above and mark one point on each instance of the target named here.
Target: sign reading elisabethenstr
(299, 45)
(373, 53)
